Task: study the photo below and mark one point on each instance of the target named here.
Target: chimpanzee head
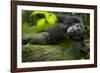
(75, 31)
(75, 28)
(72, 26)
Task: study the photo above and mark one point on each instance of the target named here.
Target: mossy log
(37, 53)
(32, 53)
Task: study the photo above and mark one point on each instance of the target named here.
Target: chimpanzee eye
(78, 29)
(72, 30)
(77, 25)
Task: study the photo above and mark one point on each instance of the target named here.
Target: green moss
(32, 53)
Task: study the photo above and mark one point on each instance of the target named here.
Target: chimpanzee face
(75, 31)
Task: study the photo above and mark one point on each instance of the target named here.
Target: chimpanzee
(68, 27)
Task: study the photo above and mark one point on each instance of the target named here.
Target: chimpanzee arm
(39, 38)
(53, 35)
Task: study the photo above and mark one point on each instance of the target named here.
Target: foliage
(40, 20)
